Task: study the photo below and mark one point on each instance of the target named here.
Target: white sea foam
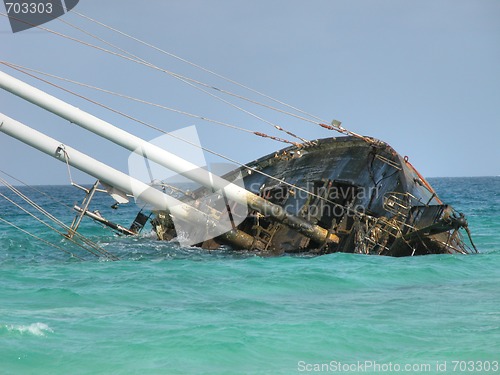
(35, 329)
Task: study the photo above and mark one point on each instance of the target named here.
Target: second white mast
(161, 156)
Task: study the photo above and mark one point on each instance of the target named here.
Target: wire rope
(39, 238)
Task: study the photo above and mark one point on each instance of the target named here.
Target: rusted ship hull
(367, 196)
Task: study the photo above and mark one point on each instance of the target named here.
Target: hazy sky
(423, 76)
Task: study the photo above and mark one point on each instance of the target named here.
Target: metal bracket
(85, 205)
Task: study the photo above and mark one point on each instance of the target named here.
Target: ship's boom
(116, 178)
(162, 157)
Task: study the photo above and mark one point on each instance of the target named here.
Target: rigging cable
(40, 239)
(335, 125)
(189, 81)
(193, 144)
(20, 68)
(38, 191)
(200, 67)
(43, 222)
(95, 249)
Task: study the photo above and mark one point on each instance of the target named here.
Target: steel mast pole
(162, 157)
(115, 178)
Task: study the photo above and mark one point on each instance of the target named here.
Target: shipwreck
(364, 196)
(352, 193)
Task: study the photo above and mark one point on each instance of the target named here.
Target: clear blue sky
(423, 76)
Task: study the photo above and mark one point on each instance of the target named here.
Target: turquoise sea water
(162, 309)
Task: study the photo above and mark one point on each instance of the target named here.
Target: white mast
(115, 178)
(161, 156)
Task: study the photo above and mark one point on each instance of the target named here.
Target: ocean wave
(35, 329)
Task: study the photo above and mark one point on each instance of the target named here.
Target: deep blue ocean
(163, 309)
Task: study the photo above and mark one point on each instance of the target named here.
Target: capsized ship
(346, 194)
(370, 199)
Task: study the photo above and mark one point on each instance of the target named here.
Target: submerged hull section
(369, 198)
